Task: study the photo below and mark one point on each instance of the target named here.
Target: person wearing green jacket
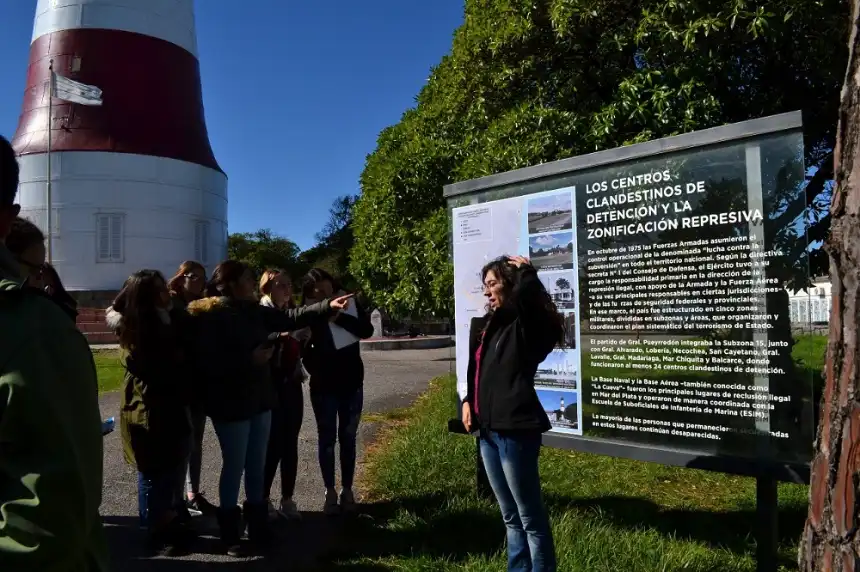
(50, 425)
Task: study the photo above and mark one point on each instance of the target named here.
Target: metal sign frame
(766, 471)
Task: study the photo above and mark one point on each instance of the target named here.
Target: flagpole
(50, 124)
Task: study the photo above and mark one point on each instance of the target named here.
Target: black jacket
(332, 369)
(225, 333)
(517, 338)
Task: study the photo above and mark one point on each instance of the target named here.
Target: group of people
(224, 348)
(236, 352)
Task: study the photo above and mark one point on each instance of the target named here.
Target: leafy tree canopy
(264, 249)
(531, 81)
(334, 242)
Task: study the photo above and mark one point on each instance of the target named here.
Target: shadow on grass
(416, 525)
(731, 530)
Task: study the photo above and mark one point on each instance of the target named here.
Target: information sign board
(672, 262)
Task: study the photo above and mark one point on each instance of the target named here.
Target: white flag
(73, 91)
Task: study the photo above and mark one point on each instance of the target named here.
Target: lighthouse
(132, 181)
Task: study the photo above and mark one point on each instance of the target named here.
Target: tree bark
(831, 541)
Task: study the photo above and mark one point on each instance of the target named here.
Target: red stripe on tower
(135, 182)
(153, 101)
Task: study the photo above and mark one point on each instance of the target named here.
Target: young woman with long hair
(154, 418)
(186, 286)
(521, 327)
(276, 291)
(234, 339)
(336, 388)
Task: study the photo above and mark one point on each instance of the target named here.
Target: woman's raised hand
(519, 261)
(341, 303)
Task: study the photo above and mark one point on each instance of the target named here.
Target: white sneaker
(288, 510)
(347, 500)
(331, 507)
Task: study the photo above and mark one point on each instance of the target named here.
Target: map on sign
(540, 227)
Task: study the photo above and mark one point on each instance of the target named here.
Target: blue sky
(295, 94)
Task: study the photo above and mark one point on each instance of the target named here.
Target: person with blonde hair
(276, 291)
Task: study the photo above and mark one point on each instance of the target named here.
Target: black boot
(171, 540)
(259, 531)
(230, 522)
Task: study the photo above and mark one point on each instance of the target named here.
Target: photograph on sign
(511, 224)
(550, 213)
(562, 408)
(681, 279)
(552, 251)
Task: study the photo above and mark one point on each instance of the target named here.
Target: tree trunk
(831, 541)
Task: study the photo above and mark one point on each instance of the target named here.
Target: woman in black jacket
(333, 359)
(154, 419)
(521, 327)
(234, 337)
(186, 286)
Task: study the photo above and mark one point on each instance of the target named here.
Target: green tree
(334, 242)
(531, 81)
(263, 249)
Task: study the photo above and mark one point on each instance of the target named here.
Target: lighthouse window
(110, 237)
(201, 241)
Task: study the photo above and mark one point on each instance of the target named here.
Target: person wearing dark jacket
(276, 291)
(154, 419)
(234, 339)
(186, 286)
(27, 244)
(336, 386)
(506, 346)
(55, 290)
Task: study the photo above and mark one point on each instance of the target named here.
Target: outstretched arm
(358, 326)
(295, 319)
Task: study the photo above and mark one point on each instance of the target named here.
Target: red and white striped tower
(134, 182)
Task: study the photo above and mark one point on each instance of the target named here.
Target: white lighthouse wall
(169, 20)
(161, 201)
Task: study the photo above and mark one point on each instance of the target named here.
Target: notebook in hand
(341, 337)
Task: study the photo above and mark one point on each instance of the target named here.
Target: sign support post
(767, 524)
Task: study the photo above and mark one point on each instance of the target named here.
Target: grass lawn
(608, 514)
(109, 369)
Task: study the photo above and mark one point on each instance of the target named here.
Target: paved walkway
(393, 379)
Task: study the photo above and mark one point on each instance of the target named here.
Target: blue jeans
(243, 448)
(338, 414)
(511, 461)
(143, 487)
(159, 492)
